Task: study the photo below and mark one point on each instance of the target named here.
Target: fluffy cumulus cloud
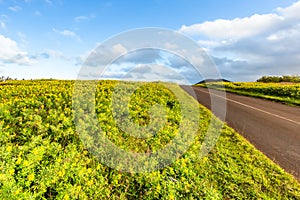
(246, 48)
(11, 53)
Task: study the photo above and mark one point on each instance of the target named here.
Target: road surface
(271, 127)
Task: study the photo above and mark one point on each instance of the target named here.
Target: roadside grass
(42, 156)
(279, 92)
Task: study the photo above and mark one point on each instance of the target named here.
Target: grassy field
(288, 93)
(42, 156)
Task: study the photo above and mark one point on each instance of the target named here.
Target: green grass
(279, 92)
(42, 156)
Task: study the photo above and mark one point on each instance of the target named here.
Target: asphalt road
(271, 127)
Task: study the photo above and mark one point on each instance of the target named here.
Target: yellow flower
(186, 171)
(12, 171)
(2, 177)
(9, 148)
(158, 188)
(89, 170)
(171, 197)
(81, 172)
(98, 167)
(73, 165)
(26, 163)
(66, 197)
(183, 164)
(19, 161)
(35, 151)
(205, 159)
(30, 177)
(61, 173)
(17, 191)
(119, 176)
(90, 182)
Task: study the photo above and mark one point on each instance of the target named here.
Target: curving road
(271, 127)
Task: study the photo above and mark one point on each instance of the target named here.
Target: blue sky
(246, 39)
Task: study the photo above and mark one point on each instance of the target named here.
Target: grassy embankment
(43, 157)
(287, 93)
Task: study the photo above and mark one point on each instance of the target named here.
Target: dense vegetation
(42, 156)
(285, 93)
(279, 79)
(7, 78)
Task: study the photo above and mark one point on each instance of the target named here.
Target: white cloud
(234, 29)
(290, 12)
(84, 17)
(15, 8)
(3, 25)
(10, 52)
(67, 33)
(285, 34)
(248, 47)
(118, 49)
(81, 18)
(239, 28)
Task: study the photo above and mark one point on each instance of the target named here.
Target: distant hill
(213, 80)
